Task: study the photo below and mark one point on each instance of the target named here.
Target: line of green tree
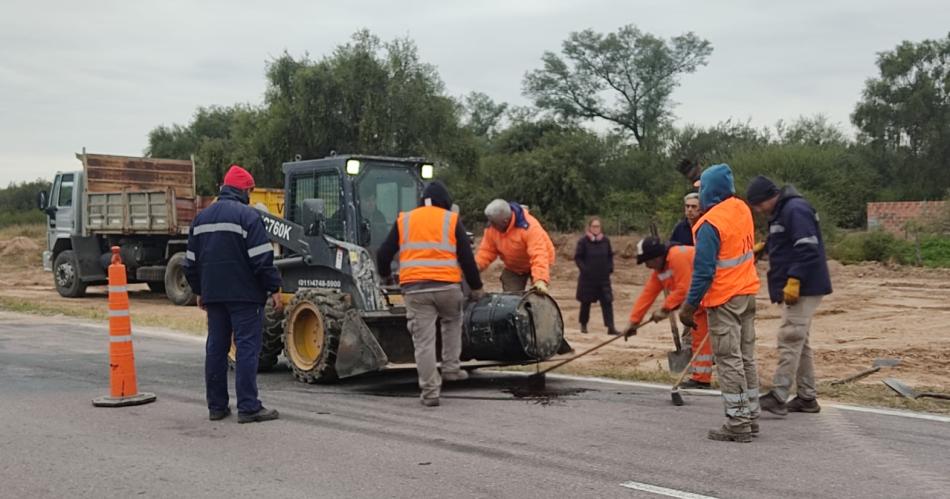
(18, 203)
(375, 97)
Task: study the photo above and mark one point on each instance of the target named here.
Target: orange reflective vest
(674, 278)
(427, 245)
(735, 263)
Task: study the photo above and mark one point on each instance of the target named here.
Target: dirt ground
(875, 311)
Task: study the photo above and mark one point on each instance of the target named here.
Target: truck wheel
(312, 333)
(176, 286)
(66, 275)
(156, 286)
(273, 342)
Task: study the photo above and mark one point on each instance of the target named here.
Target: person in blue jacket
(683, 231)
(230, 266)
(798, 278)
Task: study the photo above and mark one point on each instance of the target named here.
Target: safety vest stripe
(120, 339)
(118, 313)
(807, 240)
(219, 227)
(405, 226)
(665, 275)
(118, 289)
(446, 222)
(428, 263)
(704, 358)
(423, 246)
(733, 262)
(776, 228)
(190, 255)
(259, 250)
(702, 369)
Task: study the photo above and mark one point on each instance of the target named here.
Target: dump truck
(340, 318)
(142, 205)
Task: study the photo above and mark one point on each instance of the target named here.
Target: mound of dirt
(18, 246)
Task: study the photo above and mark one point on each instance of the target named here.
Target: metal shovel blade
(886, 362)
(901, 389)
(678, 360)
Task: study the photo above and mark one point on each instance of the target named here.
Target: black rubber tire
(331, 306)
(176, 286)
(66, 275)
(156, 286)
(273, 340)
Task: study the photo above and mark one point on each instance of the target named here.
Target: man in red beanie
(230, 266)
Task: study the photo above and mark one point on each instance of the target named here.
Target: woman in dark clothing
(595, 259)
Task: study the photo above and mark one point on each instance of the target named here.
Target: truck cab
(63, 208)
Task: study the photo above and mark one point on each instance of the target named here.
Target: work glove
(476, 294)
(540, 287)
(660, 315)
(792, 290)
(686, 315)
(630, 331)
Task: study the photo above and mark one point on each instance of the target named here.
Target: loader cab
(362, 195)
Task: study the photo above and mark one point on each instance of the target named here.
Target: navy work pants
(245, 321)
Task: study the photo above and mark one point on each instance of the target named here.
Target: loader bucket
(358, 351)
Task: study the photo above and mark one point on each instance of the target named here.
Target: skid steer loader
(339, 318)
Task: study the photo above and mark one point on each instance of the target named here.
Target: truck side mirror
(313, 216)
(41, 200)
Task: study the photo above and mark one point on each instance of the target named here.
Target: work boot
(769, 402)
(454, 375)
(612, 332)
(692, 384)
(724, 434)
(259, 417)
(583, 328)
(219, 415)
(430, 402)
(755, 429)
(799, 404)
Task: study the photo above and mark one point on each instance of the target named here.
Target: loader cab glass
(326, 186)
(383, 192)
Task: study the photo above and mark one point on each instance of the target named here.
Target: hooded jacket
(435, 194)
(524, 246)
(796, 248)
(229, 257)
(716, 185)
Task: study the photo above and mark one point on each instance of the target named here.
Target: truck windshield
(383, 193)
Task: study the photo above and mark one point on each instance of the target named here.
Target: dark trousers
(606, 307)
(245, 322)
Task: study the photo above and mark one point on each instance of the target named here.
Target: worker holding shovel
(673, 271)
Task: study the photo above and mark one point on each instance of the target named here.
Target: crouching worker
(522, 244)
(434, 254)
(673, 271)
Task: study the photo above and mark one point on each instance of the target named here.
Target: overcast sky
(101, 74)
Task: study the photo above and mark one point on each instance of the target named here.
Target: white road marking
(663, 491)
(843, 407)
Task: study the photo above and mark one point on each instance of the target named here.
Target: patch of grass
(187, 325)
(881, 396)
(875, 245)
(30, 230)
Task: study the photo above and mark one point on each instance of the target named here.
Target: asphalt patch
(542, 396)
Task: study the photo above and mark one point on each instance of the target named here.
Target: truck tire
(312, 333)
(66, 275)
(272, 344)
(176, 286)
(156, 286)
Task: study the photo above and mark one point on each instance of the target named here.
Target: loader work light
(352, 166)
(428, 171)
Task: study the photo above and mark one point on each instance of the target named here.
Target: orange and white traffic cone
(123, 389)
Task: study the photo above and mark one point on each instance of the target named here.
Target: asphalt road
(371, 437)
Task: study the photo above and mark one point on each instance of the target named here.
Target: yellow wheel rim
(305, 342)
